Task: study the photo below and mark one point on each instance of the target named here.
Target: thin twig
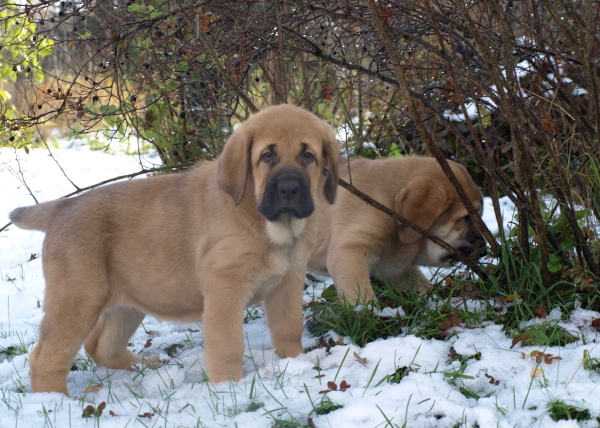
(121, 177)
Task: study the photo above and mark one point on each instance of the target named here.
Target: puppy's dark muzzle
(287, 192)
(475, 249)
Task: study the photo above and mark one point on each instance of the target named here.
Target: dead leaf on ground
(329, 343)
(453, 320)
(173, 350)
(526, 339)
(536, 372)
(90, 410)
(95, 387)
(540, 312)
(360, 359)
(540, 357)
(493, 381)
(334, 387)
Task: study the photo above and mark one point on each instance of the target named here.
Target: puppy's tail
(35, 217)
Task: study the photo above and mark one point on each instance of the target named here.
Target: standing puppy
(203, 244)
(357, 241)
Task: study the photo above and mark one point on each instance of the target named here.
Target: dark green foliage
(361, 325)
(562, 411)
(546, 334)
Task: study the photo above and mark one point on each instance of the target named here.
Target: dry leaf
(540, 312)
(172, 350)
(88, 411)
(492, 380)
(548, 358)
(204, 22)
(536, 372)
(513, 297)
(91, 411)
(327, 92)
(540, 357)
(447, 324)
(332, 385)
(93, 388)
(361, 360)
(526, 339)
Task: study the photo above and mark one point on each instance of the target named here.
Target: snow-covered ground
(177, 394)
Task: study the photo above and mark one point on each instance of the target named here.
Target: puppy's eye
(468, 219)
(266, 157)
(308, 157)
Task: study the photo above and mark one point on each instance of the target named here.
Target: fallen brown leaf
(93, 388)
(361, 360)
(540, 312)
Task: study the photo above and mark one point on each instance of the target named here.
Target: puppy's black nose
(478, 249)
(288, 188)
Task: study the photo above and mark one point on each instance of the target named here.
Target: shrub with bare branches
(510, 89)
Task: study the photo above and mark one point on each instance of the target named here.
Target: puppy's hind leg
(107, 343)
(68, 320)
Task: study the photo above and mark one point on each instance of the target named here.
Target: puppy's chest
(278, 263)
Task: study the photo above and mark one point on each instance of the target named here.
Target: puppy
(357, 242)
(200, 245)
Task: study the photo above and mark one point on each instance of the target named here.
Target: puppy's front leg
(350, 272)
(223, 331)
(284, 315)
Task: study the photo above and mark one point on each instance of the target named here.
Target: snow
(177, 394)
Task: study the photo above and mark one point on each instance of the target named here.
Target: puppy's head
(279, 157)
(430, 201)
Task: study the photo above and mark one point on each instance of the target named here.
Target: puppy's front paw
(153, 361)
(289, 351)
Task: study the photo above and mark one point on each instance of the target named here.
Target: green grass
(362, 325)
(545, 334)
(559, 410)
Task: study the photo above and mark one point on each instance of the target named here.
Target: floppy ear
(331, 154)
(234, 164)
(422, 202)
